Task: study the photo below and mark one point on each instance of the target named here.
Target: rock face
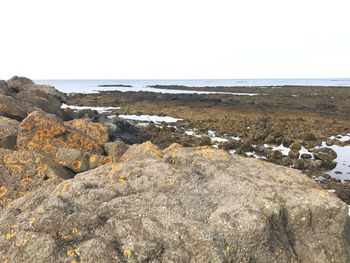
(115, 149)
(8, 133)
(4, 89)
(46, 133)
(23, 171)
(178, 205)
(10, 108)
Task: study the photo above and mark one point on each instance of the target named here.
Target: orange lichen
(26, 181)
(76, 164)
(3, 191)
(108, 160)
(32, 220)
(92, 159)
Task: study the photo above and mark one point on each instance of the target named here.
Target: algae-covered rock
(46, 133)
(178, 205)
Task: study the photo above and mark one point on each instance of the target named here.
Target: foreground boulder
(8, 132)
(45, 133)
(25, 171)
(178, 205)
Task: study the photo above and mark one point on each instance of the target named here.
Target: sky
(179, 39)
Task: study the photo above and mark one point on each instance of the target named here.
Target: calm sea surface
(88, 86)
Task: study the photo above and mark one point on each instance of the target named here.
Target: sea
(92, 85)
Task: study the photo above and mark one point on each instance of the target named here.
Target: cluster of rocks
(72, 190)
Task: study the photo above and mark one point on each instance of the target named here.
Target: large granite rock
(45, 133)
(8, 132)
(179, 205)
(25, 171)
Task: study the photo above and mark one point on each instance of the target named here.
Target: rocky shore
(84, 185)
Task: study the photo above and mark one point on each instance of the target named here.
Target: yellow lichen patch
(74, 230)
(26, 181)
(117, 167)
(65, 187)
(21, 243)
(173, 170)
(76, 164)
(9, 236)
(121, 180)
(3, 191)
(127, 252)
(92, 159)
(323, 192)
(168, 181)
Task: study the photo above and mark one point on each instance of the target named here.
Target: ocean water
(88, 86)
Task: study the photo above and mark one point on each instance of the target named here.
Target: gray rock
(294, 154)
(179, 205)
(10, 108)
(115, 149)
(305, 156)
(8, 132)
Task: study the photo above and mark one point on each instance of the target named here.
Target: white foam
(98, 109)
(149, 118)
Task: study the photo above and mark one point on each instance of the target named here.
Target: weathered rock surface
(178, 205)
(9, 108)
(4, 89)
(8, 132)
(25, 171)
(45, 133)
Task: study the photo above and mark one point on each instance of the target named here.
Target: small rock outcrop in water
(180, 204)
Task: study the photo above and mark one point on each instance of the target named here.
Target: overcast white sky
(133, 39)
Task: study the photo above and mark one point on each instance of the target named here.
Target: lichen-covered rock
(73, 159)
(179, 205)
(325, 154)
(115, 149)
(46, 133)
(9, 108)
(8, 132)
(97, 131)
(25, 171)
